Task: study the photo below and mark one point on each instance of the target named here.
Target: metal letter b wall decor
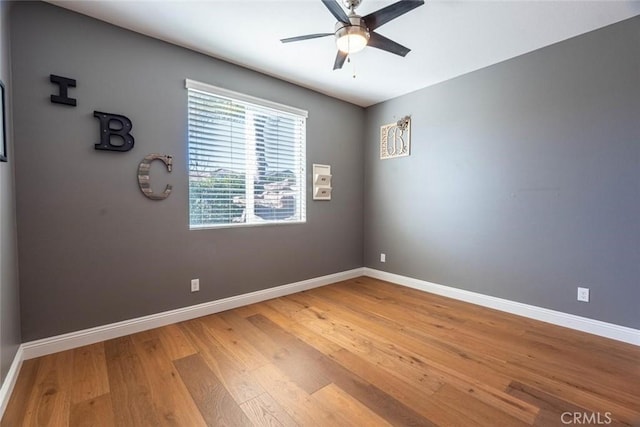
(107, 131)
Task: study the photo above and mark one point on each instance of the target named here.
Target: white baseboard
(114, 330)
(10, 380)
(596, 327)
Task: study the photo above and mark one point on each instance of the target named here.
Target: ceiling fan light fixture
(353, 32)
(352, 39)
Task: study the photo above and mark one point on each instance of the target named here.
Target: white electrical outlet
(583, 294)
(195, 285)
(383, 257)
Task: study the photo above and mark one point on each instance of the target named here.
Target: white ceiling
(447, 38)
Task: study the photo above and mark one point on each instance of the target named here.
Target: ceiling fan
(354, 32)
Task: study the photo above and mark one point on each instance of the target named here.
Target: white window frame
(250, 169)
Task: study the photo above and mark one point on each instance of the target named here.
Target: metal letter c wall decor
(143, 175)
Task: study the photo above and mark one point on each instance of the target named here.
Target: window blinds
(246, 159)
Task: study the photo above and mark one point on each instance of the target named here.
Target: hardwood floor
(361, 352)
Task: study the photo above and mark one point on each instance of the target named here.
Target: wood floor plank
(264, 411)
(253, 335)
(279, 314)
(371, 396)
(144, 336)
(250, 333)
(248, 310)
(288, 357)
(432, 327)
(387, 337)
(575, 395)
(440, 309)
(475, 409)
(90, 378)
(341, 334)
(318, 320)
(229, 371)
(93, 412)
(572, 372)
(168, 393)
(300, 406)
(129, 387)
(553, 408)
(214, 402)
(601, 354)
(175, 343)
(50, 401)
(395, 385)
(19, 401)
(234, 343)
(418, 399)
(342, 404)
(438, 374)
(410, 365)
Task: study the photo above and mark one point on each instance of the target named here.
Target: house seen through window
(246, 159)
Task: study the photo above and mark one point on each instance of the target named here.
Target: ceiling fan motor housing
(357, 26)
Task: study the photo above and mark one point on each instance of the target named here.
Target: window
(246, 159)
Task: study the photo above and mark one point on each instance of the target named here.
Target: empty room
(319, 213)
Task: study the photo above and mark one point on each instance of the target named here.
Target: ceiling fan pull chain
(353, 67)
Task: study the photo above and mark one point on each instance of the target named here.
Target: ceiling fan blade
(386, 14)
(337, 11)
(340, 58)
(383, 43)
(305, 37)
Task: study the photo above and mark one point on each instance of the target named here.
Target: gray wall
(9, 292)
(523, 181)
(93, 250)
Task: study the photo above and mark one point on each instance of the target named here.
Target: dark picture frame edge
(3, 123)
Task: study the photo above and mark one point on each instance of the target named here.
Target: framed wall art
(395, 139)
